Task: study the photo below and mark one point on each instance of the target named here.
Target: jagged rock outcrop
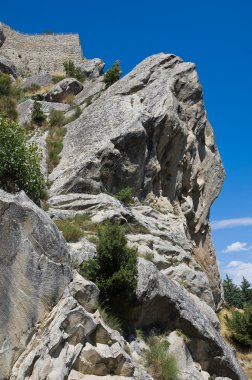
(7, 67)
(161, 301)
(34, 273)
(150, 131)
(63, 89)
(92, 68)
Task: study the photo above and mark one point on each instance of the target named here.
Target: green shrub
(56, 118)
(72, 71)
(114, 270)
(159, 362)
(8, 105)
(5, 84)
(240, 326)
(33, 88)
(113, 74)
(38, 116)
(75, 116)
(19, 161)
(9, 94)
(69, 229)
(125, 195)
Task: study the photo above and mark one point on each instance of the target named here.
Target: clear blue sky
(216, 35)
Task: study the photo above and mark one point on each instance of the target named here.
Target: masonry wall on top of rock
(43, 52)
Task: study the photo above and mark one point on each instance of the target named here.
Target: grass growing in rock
(160, 364)
(110, 319)
(76, 227)
(54, 143)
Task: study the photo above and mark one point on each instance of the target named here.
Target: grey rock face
(7, 67)
(92, 68)
(34, 272)
(149, 131)
(84, 291)
(25, 109)
(64, 88)
(2, 36)
(41, 80)
(161, 301)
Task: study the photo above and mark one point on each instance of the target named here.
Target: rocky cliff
(148, 132)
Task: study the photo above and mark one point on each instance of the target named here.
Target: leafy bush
(240, 326)
(160, 363)
(72, 71)
(38, 116)
(57, 118)
(114, 270)
(19, 161)
(5, 84)
(125, 195)
(9, 94)
(69, 229)
(113, 74)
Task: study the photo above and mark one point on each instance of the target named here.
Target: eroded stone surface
(34, 272)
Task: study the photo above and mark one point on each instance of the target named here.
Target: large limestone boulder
(7, 67)
(34, 273)
(149, 131)
(40, 80)
(162, 302)
(92, 68)
(63, 89)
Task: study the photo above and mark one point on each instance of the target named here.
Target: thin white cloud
(231, 223)
(237, 247)
(238, 269)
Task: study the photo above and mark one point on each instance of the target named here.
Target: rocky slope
(148, 131)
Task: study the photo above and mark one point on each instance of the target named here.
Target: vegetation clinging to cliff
(19, 161)
(114, 270)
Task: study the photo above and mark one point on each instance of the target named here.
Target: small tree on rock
(38, 116)
(113, 74)
(114, 270)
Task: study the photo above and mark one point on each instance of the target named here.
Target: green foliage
(75, 116)
(114, 270)
(113, 74)
(72, 71)
(125, 195)
(160, 363)
(240, 326)
(236, 296)
(5, 84)
(38, 117)
(33, 88)
(19, 161)
(54, 144)
(56, 118)
(9, 94)
(70, 230)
